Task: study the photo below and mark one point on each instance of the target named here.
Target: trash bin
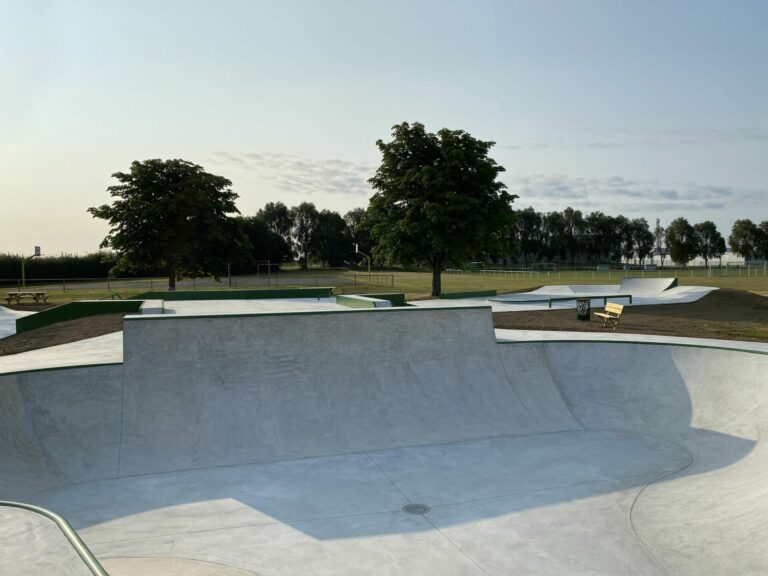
(583, 309)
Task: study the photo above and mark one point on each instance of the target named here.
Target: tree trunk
(436, 285)
(171, 278)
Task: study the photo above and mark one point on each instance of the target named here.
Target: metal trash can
(583, 309)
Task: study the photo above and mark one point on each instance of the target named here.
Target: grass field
(416, 285)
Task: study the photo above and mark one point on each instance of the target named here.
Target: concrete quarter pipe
(390, 441)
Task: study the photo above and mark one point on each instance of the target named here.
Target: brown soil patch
(726, 314)
(62, 333)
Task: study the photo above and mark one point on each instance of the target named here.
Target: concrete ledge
(357, 301)
(153, 307)
(397, 298)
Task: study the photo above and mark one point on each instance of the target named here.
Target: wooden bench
(36, 296)
(611, 315)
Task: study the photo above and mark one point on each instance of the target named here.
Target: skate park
(305, 436)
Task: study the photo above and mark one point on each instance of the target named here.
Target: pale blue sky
(654, 109)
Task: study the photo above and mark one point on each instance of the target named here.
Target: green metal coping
(473, 294)
(269, 293)
(74, 539)
(644, 343)
(74, 310)
(394, 309)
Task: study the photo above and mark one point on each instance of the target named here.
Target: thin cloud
(302, 175)
(689, 137)
(620, 194)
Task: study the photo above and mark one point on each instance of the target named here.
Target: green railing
(75, 541)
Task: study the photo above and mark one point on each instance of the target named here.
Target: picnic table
(37, 296)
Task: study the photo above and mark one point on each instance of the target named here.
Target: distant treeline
(279, 234)
(570, 236)
(95, 265)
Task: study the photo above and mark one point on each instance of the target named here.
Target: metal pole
(23, 273)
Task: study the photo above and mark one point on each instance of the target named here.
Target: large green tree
(710, 242)
(527, 233)
(744, 238)
(278, 218)
(174, 215)
(762, 240)
(437, 198)
(682, 241)
(643, 238)
(332, 242)
(304, 219)
(266, 245)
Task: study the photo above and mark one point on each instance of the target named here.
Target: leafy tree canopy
(710, 242)
(333, 242)
(682, 241)
(304, 219)
(437, 197)
(278, 219)
(744, 238)
(172, 214)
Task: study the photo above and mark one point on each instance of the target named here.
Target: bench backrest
(612, 308)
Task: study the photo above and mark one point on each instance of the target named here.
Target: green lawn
(416, 285)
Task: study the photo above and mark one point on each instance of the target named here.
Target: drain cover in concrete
(415, 508)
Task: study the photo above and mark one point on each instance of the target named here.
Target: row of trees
(278, 233)
(437, 201)
(569, 236)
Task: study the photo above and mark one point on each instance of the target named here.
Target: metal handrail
(74, 539)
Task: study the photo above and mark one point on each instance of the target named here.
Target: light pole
(23, 266)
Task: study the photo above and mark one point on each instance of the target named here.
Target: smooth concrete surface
(289, 445)
(214, 307)
(8, 321)
(168, 567)
(507, 335)
(33, 545)
(644, 291)
(152, 307)
(107, 349)
(257, 388)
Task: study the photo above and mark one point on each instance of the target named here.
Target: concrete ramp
(646, 286)
(259, 388)
(392, 441)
